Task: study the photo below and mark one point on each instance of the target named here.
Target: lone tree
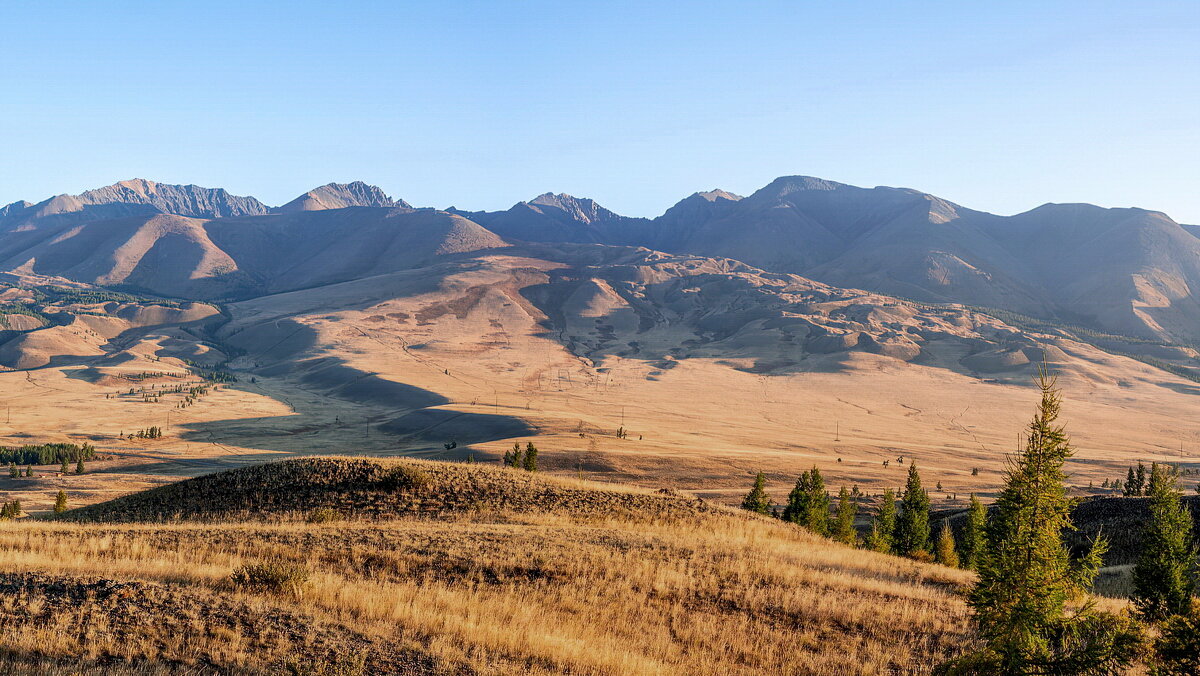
(1026, 575)
(912, 524)
(972, 536)
(843, 526)
(60, 502)
(1162, 578)
(531, 453)
(79, 468)
(757, 500)
(883, 528)
(808, 503)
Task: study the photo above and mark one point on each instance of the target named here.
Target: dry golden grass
(494, 592)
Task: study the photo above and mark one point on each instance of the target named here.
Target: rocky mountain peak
(579, 209)
(183, 200)
(340, 196)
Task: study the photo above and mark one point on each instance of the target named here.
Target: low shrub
(272, 576)
(404, 478)
(323, 515)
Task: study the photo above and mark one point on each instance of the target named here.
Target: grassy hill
(454, 569)
(374, 488)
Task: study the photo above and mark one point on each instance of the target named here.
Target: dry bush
(272, 576)
(323, 515)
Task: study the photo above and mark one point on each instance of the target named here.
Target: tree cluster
(518, 459)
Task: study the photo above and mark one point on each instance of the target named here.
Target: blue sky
(997, 106)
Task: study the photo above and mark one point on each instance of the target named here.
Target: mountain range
(1122, 271)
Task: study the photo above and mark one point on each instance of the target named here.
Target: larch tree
(946, 552)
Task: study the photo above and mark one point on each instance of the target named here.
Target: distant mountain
(558, 218)
(197, 258)
(1124, 271)
(340, 196)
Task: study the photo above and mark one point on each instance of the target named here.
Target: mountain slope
(203, 259)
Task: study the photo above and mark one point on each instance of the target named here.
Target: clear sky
(999, 106)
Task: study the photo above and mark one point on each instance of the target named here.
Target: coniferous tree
(29, 470)
(757, 500)
(12, 470)
(1026, 575)
(972, 538)
(808, 503)
(883, 528)
(945, 552)
(1141, 479)
(1130, 483)
(912, 523)
(1163, 577)
(60, 502)
(79, 469)
(1177, 650)
(847, 509)
(65, 467)
(531, 455)
(16, 508)
(513, 458)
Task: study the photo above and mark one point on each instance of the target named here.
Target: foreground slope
(542, 588)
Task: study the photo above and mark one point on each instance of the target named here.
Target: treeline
(1137, 481)
(1030, 602)
(47, 454)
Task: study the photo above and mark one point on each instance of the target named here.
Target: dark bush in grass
(323, 515)
(273, 576)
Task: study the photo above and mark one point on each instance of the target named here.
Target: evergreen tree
(945, 550)
(808, 503)
(757, 500)
(513, 458)
(29, 470)
(1141, 479)
(1130, 484)
(883, 528)
(65, 467)
(972, 537)
(847, 509)
(1162, 578)
(16, 508)
(531, 453)
(912, 523)
(79, 467)
(1177, 650)
(60, 502)
(1026, 575)
(12, 470)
